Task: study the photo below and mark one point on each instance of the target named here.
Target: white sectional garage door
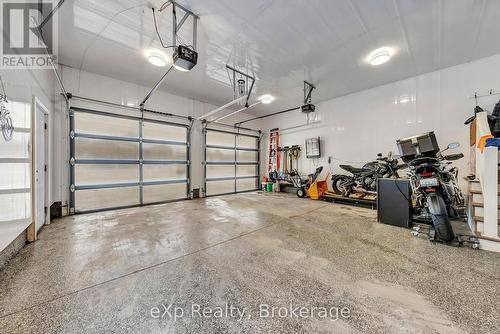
(231, 162)
(121, 161)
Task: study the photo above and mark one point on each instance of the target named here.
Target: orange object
(482, 142)
(317, 189)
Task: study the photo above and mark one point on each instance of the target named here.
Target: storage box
(423, 145)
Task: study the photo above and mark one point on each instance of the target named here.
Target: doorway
(40, 171)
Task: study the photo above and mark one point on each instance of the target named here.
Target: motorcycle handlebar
(453, 157)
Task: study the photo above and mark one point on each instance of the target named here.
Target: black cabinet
(394, 202)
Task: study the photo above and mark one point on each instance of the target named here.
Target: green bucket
(269, 187)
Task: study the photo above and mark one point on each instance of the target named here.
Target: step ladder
(484, 191)
(274, 161)
(476, 207)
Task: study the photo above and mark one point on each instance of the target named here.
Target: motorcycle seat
(351, 169)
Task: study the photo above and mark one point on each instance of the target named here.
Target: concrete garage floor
(107, 272)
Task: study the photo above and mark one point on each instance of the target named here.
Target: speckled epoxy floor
(107, 272)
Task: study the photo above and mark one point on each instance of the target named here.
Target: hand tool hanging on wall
(293, 154)
(284, 151)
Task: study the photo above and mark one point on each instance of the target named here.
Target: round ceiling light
(266, 99)
(157, 58)
(380, 56)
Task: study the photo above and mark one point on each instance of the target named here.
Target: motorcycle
(437, 197)
(364, 179)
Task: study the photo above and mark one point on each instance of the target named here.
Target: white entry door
(39, 163)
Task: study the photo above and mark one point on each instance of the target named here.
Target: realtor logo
(28, 35)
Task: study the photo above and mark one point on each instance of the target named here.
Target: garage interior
(262, 166)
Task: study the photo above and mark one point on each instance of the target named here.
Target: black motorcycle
(436, 192)
(364, 179)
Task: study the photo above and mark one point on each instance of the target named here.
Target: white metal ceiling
(282, 42)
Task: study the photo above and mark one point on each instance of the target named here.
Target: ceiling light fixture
(266, 99)
(157, 58)
(380, 56)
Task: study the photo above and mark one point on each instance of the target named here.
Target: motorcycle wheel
(440, 220)
(301, 192)
(338, 183)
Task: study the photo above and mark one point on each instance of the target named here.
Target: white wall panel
(355, 127)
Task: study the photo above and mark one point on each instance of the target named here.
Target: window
(15, 171)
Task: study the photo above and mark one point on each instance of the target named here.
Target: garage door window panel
(220, 155)
(86, 148)
(99, 199)
(17, 147)
(246, 184)
(247, 156)
(161, 172)
(247, 142)
(220, 138)
(220, 187)
(164, 152)
(86, 174)
(218, 171)
(246, 170)
(159, 131)
(164, 192)
(105, 125)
